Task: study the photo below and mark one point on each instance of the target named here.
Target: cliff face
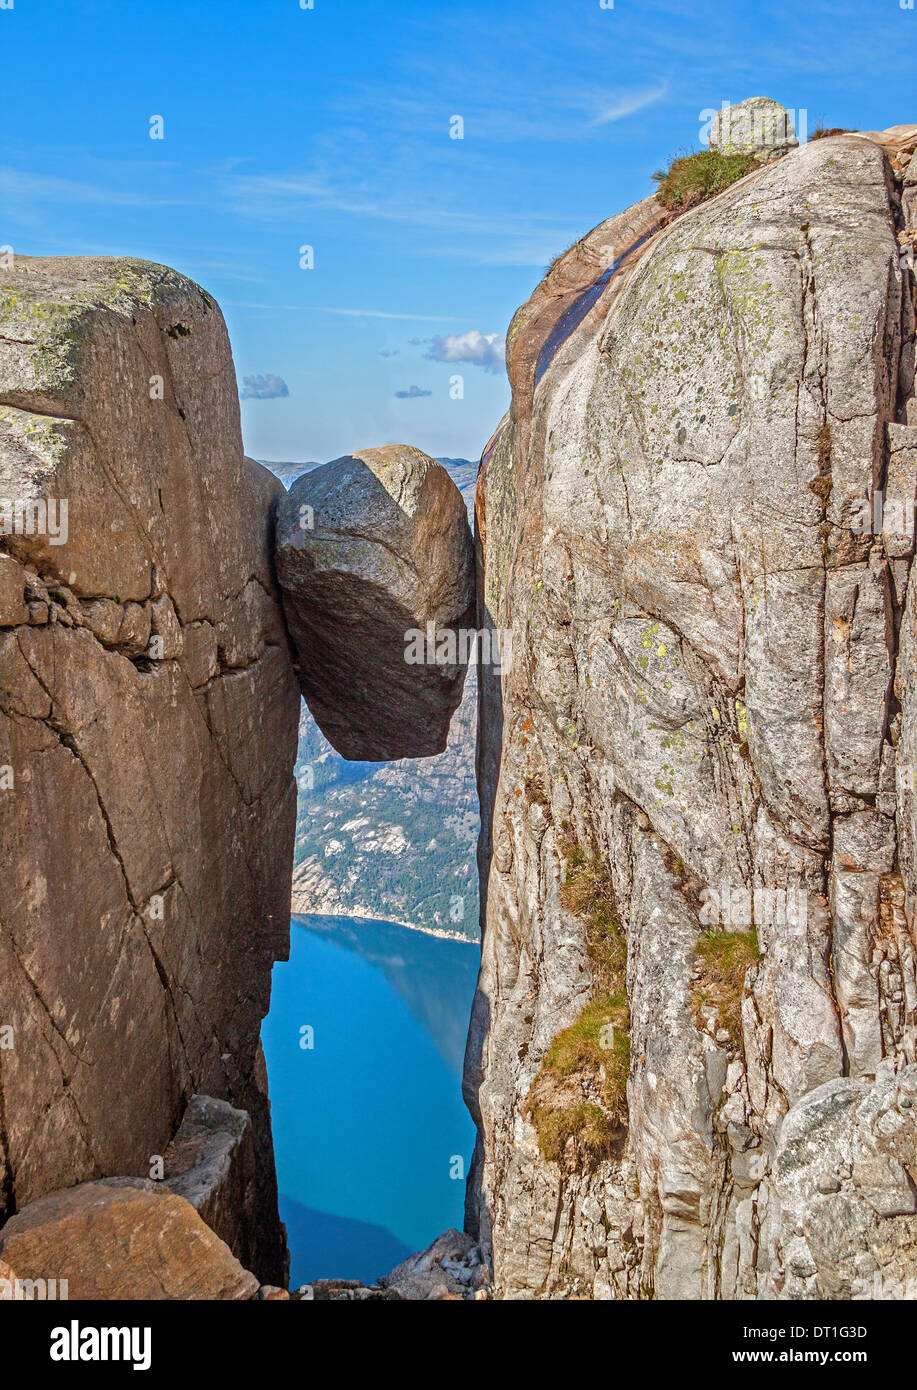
(683, 1086)
(149, 731)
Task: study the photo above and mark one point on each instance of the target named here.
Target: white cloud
(263, 388)
(481, 349)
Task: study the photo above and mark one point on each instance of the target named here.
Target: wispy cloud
(617, 108)
(343, 313)
(46, 188)
(379, 314)
(395, 164)
(394, 197)
(506, 113)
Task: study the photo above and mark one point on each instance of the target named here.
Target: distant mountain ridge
(289, 472)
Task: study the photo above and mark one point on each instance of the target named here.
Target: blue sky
(329, 127)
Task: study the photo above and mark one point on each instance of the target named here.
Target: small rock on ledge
(756, 126)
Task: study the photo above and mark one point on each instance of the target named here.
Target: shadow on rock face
(375, 560)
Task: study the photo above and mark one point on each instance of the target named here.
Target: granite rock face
(118, 1240)
(840, 1222)
(712, 696)
(148, 731)
(211, 1163)
(374, 553)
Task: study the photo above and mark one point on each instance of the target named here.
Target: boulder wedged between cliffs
(376, 564)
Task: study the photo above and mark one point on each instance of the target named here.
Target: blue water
(369, 1124)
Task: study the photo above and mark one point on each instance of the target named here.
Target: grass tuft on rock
(585, 1123)
(693, 178)
(580, 1091)
(723, 958)
(588, 893)
(559, 257)
(822, 133)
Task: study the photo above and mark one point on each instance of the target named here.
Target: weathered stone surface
(571, 299)
(910, 177)
(149, 715)
(756, 126)
(896, 140)
(705, 691)
(211, 1163)
(120, 1241)
(370, 548)
(843, 1179)
(13, 610)
(343, 1291)
(450, 1268)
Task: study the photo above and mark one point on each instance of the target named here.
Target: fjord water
(371, 1136)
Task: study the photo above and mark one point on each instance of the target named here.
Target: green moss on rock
(578, 1100)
